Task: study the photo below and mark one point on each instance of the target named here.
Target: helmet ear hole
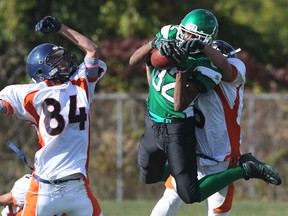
(39, 72)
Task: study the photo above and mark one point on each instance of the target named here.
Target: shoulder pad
(168, 32)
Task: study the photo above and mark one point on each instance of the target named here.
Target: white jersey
(18, 191)
(60, 115)
(218, 114)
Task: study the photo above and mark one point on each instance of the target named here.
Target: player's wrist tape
(151, 43)
(182, 69)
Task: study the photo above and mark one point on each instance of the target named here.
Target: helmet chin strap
(235, 51)
(63, 78)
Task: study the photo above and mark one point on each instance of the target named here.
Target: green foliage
(267, 19)
(12, 19)
(258, 27)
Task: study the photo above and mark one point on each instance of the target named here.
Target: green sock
(166, 172)
(211, 184)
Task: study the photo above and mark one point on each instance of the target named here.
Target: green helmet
(201, 23)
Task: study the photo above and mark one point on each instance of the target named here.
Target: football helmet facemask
(225, 48)
(48, 61)
(201, 23)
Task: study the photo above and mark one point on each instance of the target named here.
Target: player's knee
(188, 189)
(188, 195)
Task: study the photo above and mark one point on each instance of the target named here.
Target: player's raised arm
(140, 55)
(143, 53)
(50, 24)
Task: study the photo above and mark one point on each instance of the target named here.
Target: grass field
(240, 208)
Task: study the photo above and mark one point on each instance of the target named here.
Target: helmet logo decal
(56, 48)
(191, 27)
(53, 72)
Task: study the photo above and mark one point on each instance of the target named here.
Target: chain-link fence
(117, 123)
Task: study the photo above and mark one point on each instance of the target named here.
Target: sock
(166, 172)
(211, 184)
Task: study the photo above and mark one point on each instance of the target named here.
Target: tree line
(120, 27)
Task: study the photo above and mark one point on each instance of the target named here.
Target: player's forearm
(181, 97)
(220, 61)
(6, 199)
(80, 40)
(140, 55)
(148, 74)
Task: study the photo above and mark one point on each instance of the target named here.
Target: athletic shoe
(254, 168)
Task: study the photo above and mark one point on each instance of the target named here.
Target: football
(161, 62)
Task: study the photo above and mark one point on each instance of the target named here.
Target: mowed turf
(240, 208)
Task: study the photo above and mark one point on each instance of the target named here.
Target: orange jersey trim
(28, 105)
(227, 205)
(100, 71)
(235, 74)
(234, 129)
(96, 207)
(82, 84)
(9, 107)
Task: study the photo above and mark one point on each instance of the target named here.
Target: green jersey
(160, 101)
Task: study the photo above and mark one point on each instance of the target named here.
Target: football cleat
(254, 168)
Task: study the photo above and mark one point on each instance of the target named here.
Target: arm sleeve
(92, 66)
(95, 68)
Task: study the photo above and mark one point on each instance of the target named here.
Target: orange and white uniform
(218, 134)
(60, 113)
(18, 191)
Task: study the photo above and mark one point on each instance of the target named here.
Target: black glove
(180, 55)
(193, 46)
(169, 49)
(48, 25)
(163, 45)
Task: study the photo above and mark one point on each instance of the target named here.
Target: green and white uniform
(160, 100)
(170, 135)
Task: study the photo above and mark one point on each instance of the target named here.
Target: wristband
(151, 43)
(181, 70)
